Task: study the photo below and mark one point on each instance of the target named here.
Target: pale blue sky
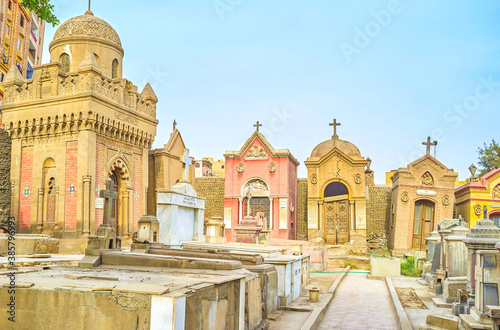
(219, 66)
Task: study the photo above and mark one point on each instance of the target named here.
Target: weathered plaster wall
(378, 213)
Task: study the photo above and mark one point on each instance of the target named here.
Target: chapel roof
(87, 26)
(326, 146)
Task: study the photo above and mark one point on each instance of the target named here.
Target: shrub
(408, 267)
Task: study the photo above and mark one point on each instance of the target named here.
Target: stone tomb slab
(143, 298)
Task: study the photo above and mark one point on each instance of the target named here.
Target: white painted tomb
(180, 212)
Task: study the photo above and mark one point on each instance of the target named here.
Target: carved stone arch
(496, 192)
(257, 186)
(427, 179)
(119, 164)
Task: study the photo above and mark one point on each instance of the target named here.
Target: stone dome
(87, 26)
(345, 146)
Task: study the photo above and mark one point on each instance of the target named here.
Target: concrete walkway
(360, 303)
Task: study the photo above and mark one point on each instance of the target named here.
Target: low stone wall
(5, 187)
(378, 214)
(212, 189)
(30, 244)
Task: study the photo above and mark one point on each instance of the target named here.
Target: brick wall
(212, 189)
(5, 188)
(100, 182)
(137, 193)
(378, 212)
(302, 209)
(26, 187)
(71, 179)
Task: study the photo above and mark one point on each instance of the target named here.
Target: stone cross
(89, 4)
(335, 124)
(187, 162)
(175, 124)
(429, 144)
(109, 195)
(257, 125)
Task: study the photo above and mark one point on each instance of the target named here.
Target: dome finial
(89, 12)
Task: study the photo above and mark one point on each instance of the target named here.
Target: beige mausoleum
(74, 125)
(336, 200)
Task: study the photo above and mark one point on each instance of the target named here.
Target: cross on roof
(186, 160)
(109, 195)
(335, 124)
(89, 4)
(429, 144)
(175, 124)
(257, 125)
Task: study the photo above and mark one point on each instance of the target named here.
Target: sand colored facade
(166, 168)
(473, 196)
(422, 196)
(75, 124)
(336, 196)
(262, 182)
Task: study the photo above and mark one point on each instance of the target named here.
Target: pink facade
(261, 182)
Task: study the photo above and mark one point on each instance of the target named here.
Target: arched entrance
(257, 202)
(336, 211)
(120, 215)
(423, 223)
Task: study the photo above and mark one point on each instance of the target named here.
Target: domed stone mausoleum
(74, 125)
(336, 200)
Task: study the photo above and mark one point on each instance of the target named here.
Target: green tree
(489, 157)
(43, 9)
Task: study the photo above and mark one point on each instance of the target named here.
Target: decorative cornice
(74, 122)
(334, 152)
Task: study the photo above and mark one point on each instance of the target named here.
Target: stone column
(87, 180)
(240, 209)
(320, 215)
(270, 213)
(125, 213)
(39, 213)
(353, 219)
(12, 185)
(56, 226)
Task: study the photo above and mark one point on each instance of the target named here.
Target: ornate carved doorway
(423, 223)
(336, 211)
(337, 222)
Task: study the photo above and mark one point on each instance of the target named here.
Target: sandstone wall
(5, 188)
(378, 214)
(302, 209)
(212, 189)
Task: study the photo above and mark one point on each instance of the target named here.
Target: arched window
(64, 60)
(114, 69)
(335, 189)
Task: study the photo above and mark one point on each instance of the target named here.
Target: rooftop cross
(257, 125)
(429, 144)
(109, 195)
(89, 4)
(187, 162)
(335, 124)
(175, 124)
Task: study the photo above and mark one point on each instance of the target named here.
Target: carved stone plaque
(51, 208)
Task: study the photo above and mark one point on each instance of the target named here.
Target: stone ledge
(404, 321)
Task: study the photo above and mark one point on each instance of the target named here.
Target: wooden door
(423, 224)
(337, 222)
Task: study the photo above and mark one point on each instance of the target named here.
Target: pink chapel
(261, 182)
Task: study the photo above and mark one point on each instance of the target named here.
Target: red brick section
(137, 194)
(71, 179)
(26, 182)
(99, 183)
